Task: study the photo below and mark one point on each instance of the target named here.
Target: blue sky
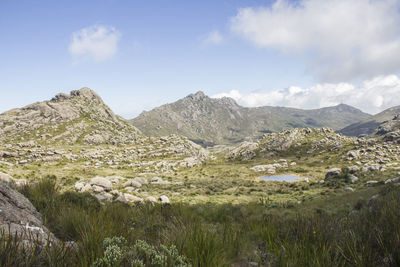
(154, 52)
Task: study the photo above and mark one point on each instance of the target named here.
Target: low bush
(213, 235)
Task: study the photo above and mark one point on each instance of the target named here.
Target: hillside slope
(371, 124)
(222, 121)
(81, 117)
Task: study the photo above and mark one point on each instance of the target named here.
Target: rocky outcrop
(297, 139)
(19, 216)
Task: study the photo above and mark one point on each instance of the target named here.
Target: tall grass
(216, 235)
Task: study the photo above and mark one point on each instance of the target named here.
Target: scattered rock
(132, 198)
(354, 169)
(270, 168)
(79, 185)
(371, 182)
(158, 180)
(102, 182)
(121, 199)
(348, 189)
(332, 172)
(97, 189)
(86, 188)
(164, 200)
(393, 180)
(353, 178)
(132, 182)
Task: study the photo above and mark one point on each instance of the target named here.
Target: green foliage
(309, 234)
(117, 253)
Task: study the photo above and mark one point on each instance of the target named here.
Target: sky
(141, 54)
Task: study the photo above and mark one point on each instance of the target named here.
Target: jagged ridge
(223, 121)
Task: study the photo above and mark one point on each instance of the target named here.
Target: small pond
(282, 178)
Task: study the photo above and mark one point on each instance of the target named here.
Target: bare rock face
(19, 216)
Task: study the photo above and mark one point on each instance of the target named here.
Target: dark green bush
(216, 235)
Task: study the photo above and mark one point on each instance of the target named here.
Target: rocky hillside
(81, 131)
(318, 146)
(81, 117)
(222, 121)
(371, 124)
(390, 130)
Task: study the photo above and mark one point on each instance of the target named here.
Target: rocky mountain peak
(80, 116)
(197, 96)
(84, 93)
(88, 94)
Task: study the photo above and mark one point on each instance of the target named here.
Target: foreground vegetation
(361, 231)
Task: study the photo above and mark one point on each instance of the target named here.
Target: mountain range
(370, 124)
(210, 121)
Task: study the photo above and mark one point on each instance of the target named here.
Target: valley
(73, 154)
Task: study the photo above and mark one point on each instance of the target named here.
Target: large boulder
(101, 182)
(19, 216)
(270, 168)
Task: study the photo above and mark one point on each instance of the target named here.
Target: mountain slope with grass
(371, 124)
(81, 117)
(222, 121)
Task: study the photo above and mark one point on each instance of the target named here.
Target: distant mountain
(222, 121)
(371, 124)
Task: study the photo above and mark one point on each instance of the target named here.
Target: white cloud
(342, 39)
(97, 42)
(371, 96)
(213, 38)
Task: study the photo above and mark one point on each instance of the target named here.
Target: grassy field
(339, 230)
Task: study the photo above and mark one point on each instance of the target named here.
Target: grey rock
(97, 189)
(19, 216)
(86, 188)
(354, 169)
(121, 199)
(132, 198)
(332, 172)
(102, 182)
(104, 197)
(348, 189)
(393, 180)
(79, 185)
(353, 178)
(141, 180)
(164, 200)
(270, 168)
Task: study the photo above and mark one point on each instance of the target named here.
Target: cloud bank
(342, 39)
(97, 43)
(372, 96)
(213, 38)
